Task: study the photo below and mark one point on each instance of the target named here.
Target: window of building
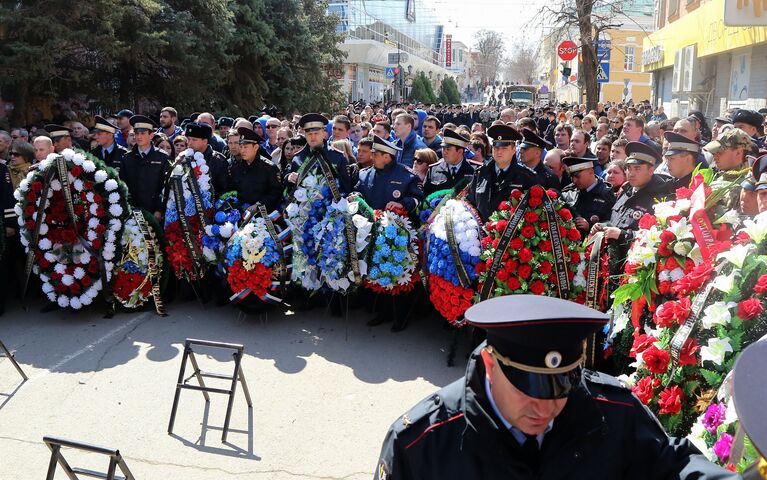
(628, 62)
(673, 8)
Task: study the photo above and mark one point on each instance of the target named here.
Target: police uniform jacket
(6, 197)
(546, 177)
(218, 171)
(438, 177)
(633, 204)
(393, 183)
(603, 432)
(145, 177)
(597, 202)
(488, 188)
(336, 159)
(258, 181)
(112, 159)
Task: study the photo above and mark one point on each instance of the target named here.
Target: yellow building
(626, 80)
(699, 62)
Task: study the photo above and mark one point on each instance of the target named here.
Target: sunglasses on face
(272, 126)
(15, 154)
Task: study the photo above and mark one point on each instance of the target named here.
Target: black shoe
(378, 320)
(398, 326)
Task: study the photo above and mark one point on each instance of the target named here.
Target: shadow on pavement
(71, 342)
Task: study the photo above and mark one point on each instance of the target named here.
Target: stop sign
(567, 50)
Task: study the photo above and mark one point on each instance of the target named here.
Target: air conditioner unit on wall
(676, 83)
(692, 76)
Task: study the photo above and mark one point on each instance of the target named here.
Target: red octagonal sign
(567, 50)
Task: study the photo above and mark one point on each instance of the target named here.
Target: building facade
(699, 62)
(377, 35)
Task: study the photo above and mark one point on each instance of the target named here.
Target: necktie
(452, 171)
(531, 451)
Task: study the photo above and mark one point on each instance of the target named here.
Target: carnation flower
(115, 210)
(749, 308)
(670, 401)
(655, 359)
(100, 176)
(110, 185)
(63, 301)
(714, 416)
(645, 389)
(45, 244)
(723, 446)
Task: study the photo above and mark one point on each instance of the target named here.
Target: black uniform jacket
(633, 204)
(603, 432)
(218, 169)
(258, 181)
(594, 205)
(334, 158)
(488, 189)
(112, 159)
(546, 177)
(438, 177)
(145, 178)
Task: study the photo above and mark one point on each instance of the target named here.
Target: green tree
(448, 91)
(422, 90)
(218, 55)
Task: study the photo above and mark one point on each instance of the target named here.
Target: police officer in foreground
(527, 409)
(590, 198)
(388, 184)
(255, 177)
(749, 389)
(644, 189)
(453, 168)
(144, 168)
(314, 127)
(494, 181)
(108, 150)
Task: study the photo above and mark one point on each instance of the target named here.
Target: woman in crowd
(422, 160)
(161, 142)
(180, 144)
(615, 174)
(22, 157)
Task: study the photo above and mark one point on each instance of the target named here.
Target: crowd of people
(610, 164)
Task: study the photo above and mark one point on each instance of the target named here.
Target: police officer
(388, 184)
(61, 136)
(453, 168)
(645, 187)
(255, 177)
(589, 197)
(531, 154)
(108, 150)
(494, 181)
(681, 158)
(527, 409)
(198, 135)
(144, 168)
(314, 127)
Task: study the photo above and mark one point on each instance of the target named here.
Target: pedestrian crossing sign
(603, 73)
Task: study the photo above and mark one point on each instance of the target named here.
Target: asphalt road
(325, 390)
